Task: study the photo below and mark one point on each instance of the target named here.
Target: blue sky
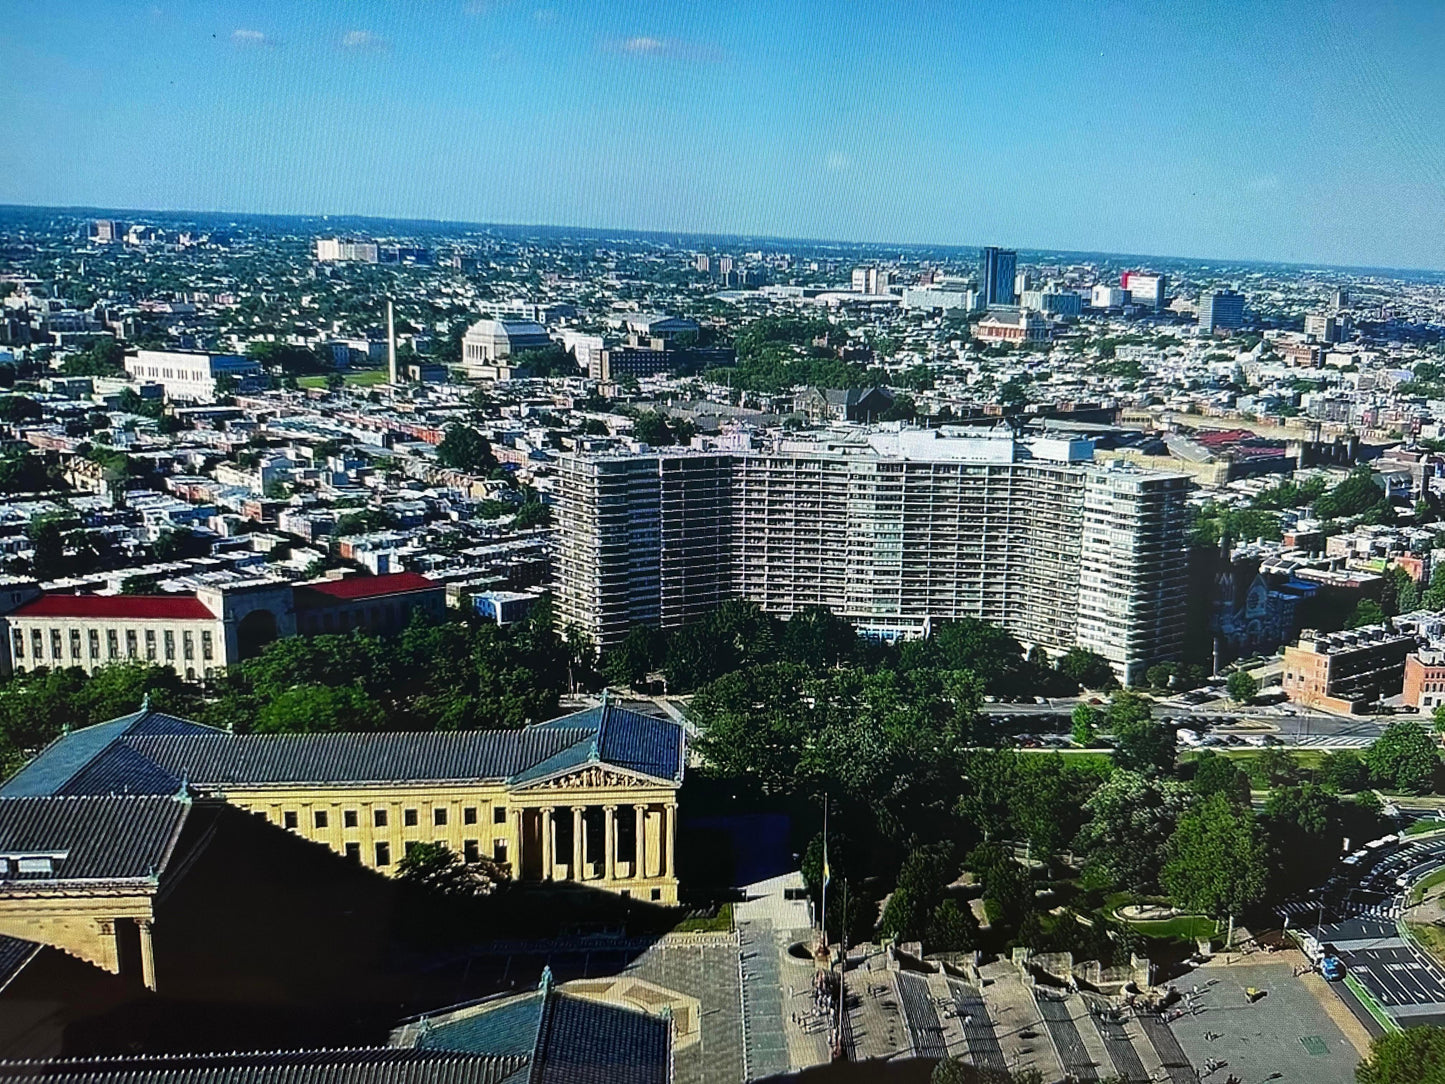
(1273, 130)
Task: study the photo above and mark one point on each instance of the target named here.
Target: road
(1306, 731)
(1359, 915)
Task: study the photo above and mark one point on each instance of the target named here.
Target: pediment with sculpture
(594, 777)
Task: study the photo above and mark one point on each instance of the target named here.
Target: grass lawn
(722, 922)
(1305, 758)
(1425, 824)
(1432, 937)
(1186, 928)
(363, 379)
(1425, 884)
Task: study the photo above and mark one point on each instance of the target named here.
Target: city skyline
(1105, 131)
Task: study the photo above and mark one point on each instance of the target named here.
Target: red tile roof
(135, 607)
(353, 587)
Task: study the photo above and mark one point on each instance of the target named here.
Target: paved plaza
(1296, 1032)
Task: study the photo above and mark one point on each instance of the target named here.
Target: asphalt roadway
(1357, 913)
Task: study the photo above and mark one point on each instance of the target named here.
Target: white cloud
(644, 46)
(249, 38)
(362, 41)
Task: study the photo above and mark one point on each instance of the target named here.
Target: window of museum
(353, 852)
(469, 815)
(657, 893)
(290, 819)
(319, 818)
(17, 639)
(348, 818)
(112, 644)
(75, 643)
(37, 644)
(130, 644)
(408, 818)
(383, 854)
(378, 818)
(94, 636)
(170, 642)
(499, 814)
(151, 644)
(188, 645)
(472, 850)
(206, 650)
(439, 816)
(55, 644)
(499, 850)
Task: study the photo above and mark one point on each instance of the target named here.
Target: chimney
(390, 344)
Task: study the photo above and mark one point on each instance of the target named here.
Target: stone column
(147, 954)
(514, 845)
(639, 842)
(609, 842)
(577, 842)
(110, 940)
(669, 839)
(549, 858)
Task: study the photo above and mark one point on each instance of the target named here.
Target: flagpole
(825, 871)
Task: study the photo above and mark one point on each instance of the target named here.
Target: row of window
(167, 644)
(410, 818)
(471, 851)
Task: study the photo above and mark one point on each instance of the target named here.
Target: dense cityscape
(707, 659)
(653, 543)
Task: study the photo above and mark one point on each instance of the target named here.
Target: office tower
(1341, 299)
(702, 263)
(996, 270)
(724, 265)
(1133, 567)
(1221, 309)
(860, 280)
(1322, 326)
(1107, 297)
(1145, 287)
(892, 530)
(104, 231)
(1022, 281)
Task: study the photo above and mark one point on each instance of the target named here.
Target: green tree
(1303, 825)
(817, 637)
(1343, 772)
(1403, 759)
(952, 927)
(1413, 1056)
(1087, 668)
(1142, 744)
(1367, 612)
(436, 868)
(629, 663)
(1433, 597)
(1214, 774)
(1125, 840)
(1218, 859)
(651, 427)
(1242, 687)
(47, 542)
(309, 709)
(1438, 718)
(464, 449)
(1085, 720)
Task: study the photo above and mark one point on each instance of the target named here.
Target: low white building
(191, 376)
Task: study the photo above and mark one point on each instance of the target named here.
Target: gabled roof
(567, 1039)
(71, 754)
(118, 607)
(90, 838)
(367, 1065)
(153, 753)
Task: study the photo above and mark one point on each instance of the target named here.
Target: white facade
(190, 376)
(489, 343)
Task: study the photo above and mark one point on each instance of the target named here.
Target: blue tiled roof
(507, 1026)
(101, 838)
(153, 753)
(366, 1065)
(71, 753)
(627, 739)
(569, 1040)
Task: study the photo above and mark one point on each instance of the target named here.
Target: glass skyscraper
(996, 270)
